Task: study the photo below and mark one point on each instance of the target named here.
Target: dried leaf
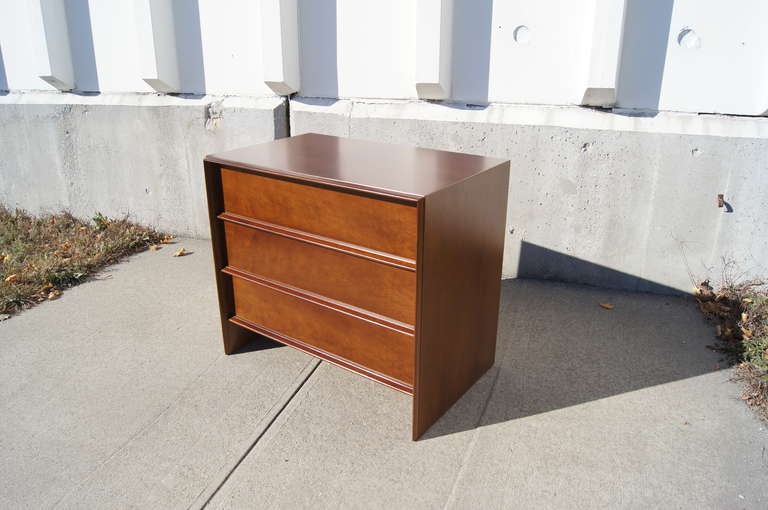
(12, 278)
(154, 247)
(744, 316)
(47, 287)
(167, 239)
(180, 252)
(607, 306)
(708, 306)
(746, 332)
(747, 300)
(54, 294)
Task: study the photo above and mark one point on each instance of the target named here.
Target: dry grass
(740, 314)
(41, 256)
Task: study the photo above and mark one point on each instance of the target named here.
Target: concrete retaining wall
(139, 155)
(596, 197)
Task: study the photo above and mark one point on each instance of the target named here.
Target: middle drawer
(373, 286)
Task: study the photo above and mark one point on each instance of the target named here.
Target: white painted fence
(669, 55)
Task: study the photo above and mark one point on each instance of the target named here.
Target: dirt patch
(739, 312)
(42, 256)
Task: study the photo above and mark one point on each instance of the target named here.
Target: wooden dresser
(382, 259)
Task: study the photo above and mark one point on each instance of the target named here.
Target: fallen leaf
(180, 252)
(155, 247)
(47, 287)
(54, 294)
(708, 306)
(4, 317)
(607, 306)
(166, 239)
(746, 332)
(12, 278)
(747, 300)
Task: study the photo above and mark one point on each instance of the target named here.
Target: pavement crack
(471, 446)
(259, 436)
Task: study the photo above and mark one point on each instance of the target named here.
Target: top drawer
(380, 225)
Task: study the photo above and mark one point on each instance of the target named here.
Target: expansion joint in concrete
(278, 410)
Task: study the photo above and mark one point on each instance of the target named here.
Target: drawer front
(378, 348)
(376, 224)
(363, 283)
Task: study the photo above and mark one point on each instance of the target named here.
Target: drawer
(373, 286)
(380, 225)
(381, 349)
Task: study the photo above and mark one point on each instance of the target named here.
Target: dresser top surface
(396, 170)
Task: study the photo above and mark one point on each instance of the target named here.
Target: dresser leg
(236, 337)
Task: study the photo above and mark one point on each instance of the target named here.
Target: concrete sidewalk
(117, 395)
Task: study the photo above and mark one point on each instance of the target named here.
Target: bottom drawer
(353, 339)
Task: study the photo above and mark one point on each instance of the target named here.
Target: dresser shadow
(556, 348)
(257, 343)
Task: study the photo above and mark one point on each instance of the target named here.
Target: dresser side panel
(459, 275)
(234, 336)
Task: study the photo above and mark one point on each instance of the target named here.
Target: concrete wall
(124, 155)
(598, 198)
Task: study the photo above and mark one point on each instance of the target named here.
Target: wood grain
(363, 343)
(460, 280)
(378, 224)
(324, 301)
(325, 242)
(327, 356)
(373, 286)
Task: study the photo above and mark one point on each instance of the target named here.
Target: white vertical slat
(58, 70)
(156, 34)
(280, 45)
(606, 48)
(434, 20)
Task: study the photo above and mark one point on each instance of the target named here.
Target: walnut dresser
(382, 259)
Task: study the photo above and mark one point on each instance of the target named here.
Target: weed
(739, 310)
(40, 256)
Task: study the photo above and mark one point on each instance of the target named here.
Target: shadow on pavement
(558, 348)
